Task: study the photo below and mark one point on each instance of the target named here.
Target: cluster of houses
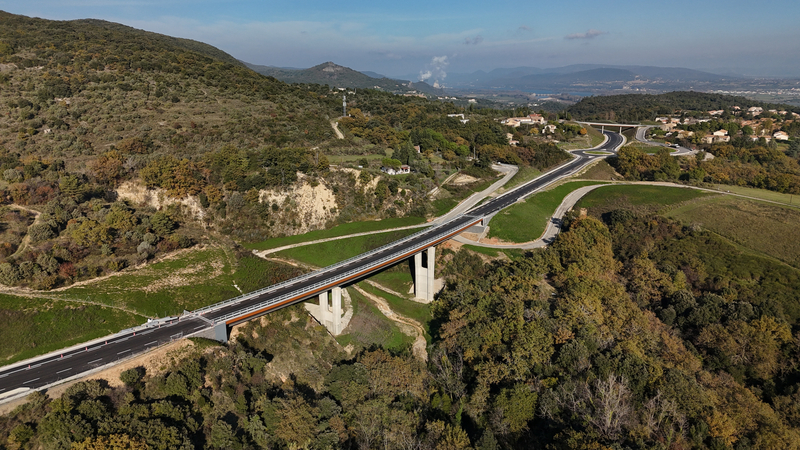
(530, 119)
(670, 124)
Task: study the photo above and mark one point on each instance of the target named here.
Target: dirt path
(27, 239)
(420, 346)
(335, 125)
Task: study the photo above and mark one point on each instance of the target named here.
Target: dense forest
(628, 332)
(635, 108)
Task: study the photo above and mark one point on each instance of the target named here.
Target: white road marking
(30, 381)
(154, 342)
(63, 370)
(124, 351)
(92, 362)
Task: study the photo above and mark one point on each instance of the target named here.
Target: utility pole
(344, 105)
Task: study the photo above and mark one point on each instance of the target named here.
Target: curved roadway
(71, 363)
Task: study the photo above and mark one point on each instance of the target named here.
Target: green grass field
(764, 227)
(763, 194)
(398, 278)
(370, 327)
(650, 149)
(527, 221)
(405, 307)
(339, 230)
(31, 326)
(196, 278)
(624, 195)
(327, 253)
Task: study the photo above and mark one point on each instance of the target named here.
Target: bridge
(604, 125)
(324, 284)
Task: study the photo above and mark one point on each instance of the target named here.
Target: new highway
(62, 365)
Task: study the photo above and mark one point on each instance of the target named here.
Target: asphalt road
(56, 367)
(678, 151)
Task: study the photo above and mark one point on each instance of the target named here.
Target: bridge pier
(424, 287)
(329, 310)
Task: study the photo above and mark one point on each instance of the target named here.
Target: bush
(40, 232)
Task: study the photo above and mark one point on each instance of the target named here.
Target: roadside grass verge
(370, 327)
(523, 175)
(31, 327)
(759, 226)
(600, 170)
(649, 149)
(596, 136)
(339, 230)
(527, 221)
(327, 253)
(194, 279)
(442, 206)
(763, 194)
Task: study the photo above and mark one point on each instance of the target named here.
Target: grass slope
(756, 225)
(527, 221)
(327, 253)
(339, 230)
(636, 196)
(30, 326)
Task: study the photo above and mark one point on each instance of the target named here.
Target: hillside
(644, 107)
(336, 76)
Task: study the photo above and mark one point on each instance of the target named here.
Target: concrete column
(430, 272)
(420, 278)
(424, 276)
(336, 294)
(324, 310)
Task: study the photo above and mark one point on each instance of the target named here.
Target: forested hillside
(631, 332)
(126, 145)
(635, 108)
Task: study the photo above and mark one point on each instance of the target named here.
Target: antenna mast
(344, 105)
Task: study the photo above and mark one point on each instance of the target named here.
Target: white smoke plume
(435, 70)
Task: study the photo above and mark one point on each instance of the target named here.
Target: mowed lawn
(527, 221)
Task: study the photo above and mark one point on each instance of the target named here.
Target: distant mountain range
(591, 78)
(335, 75)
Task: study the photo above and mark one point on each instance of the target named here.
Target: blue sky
(420, 37)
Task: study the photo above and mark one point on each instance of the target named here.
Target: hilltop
(334, 75)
